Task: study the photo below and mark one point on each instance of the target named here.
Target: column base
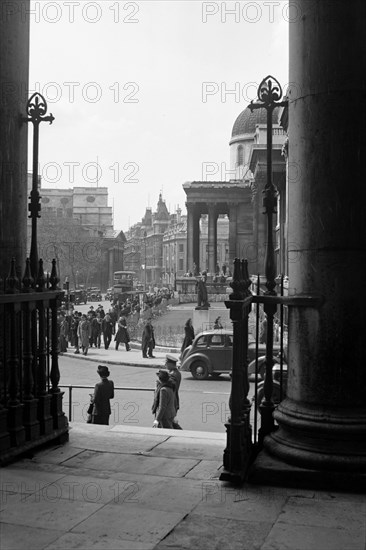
(319, 438)
(269, 470)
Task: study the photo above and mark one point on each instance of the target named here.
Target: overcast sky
(143, 89)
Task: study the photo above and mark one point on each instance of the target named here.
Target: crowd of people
(94, 328)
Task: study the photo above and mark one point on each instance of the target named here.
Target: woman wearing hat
(164, 401)
(103, 392)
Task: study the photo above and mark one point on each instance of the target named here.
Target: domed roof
(247, 121)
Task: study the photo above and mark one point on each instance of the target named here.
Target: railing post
(59, 418)
(44, 399)
(31, 424)
(237, 451)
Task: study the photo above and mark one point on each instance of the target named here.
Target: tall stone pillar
(322, 422)
(196, 238)
(14, 65)
(212, 238)
(233, 221)
(190, 227)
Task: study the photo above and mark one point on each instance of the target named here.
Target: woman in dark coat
(103, 392)
(188, 335)
(122, 335)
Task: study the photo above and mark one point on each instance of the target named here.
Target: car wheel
(199, 370)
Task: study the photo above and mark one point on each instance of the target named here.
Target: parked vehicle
(94, 294)
(79, 297)
(109, 294)
(211, 354)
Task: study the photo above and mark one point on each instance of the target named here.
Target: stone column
(322, 423)
(14, 65)
(212, 238)
(190, 228)
(233, 217)
(196, 237)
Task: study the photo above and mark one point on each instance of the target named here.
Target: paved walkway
(130, 358)
(128, 488)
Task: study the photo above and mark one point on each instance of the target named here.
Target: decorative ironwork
(269, 96)
(36, 111)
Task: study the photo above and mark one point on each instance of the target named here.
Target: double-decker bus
(122, 284)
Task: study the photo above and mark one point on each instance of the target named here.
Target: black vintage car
(78, 297)
(94, 294)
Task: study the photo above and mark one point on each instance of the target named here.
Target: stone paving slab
(179, 495)
(73, 541)
(185, 447)
(129, 522)
(300, 537)
(133, 464)
(170, 433)
(14, 537)
(200, 532)
(47, 512)
(222, 500)
(18, 481)
(329, 513)
(114, 442)
(206, 470)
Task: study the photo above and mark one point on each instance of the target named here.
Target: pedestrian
(107, 329)
(188, 335)
(103, 392)
(122, 335)
(148, 341)
(218, 323)
(263, 332)
(95, 330)
(63, 332)
(164, 401)
(174, 375)
(84, 332)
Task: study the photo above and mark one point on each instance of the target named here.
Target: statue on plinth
(202, 296)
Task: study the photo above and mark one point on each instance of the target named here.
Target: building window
(240, 155)
(181, 247)
(181, 267)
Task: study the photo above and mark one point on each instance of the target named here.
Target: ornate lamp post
(269, 95)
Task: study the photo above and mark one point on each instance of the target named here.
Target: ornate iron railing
(30, 397)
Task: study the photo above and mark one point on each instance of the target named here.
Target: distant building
(88, 207)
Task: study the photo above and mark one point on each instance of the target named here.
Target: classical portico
(213, 199)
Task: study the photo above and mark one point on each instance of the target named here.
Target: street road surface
(204, 403)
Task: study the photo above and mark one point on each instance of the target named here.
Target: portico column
(14, 47)
(190, 226)
(196, 237)
(233, 217)
(322, 422)
(212, 238)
